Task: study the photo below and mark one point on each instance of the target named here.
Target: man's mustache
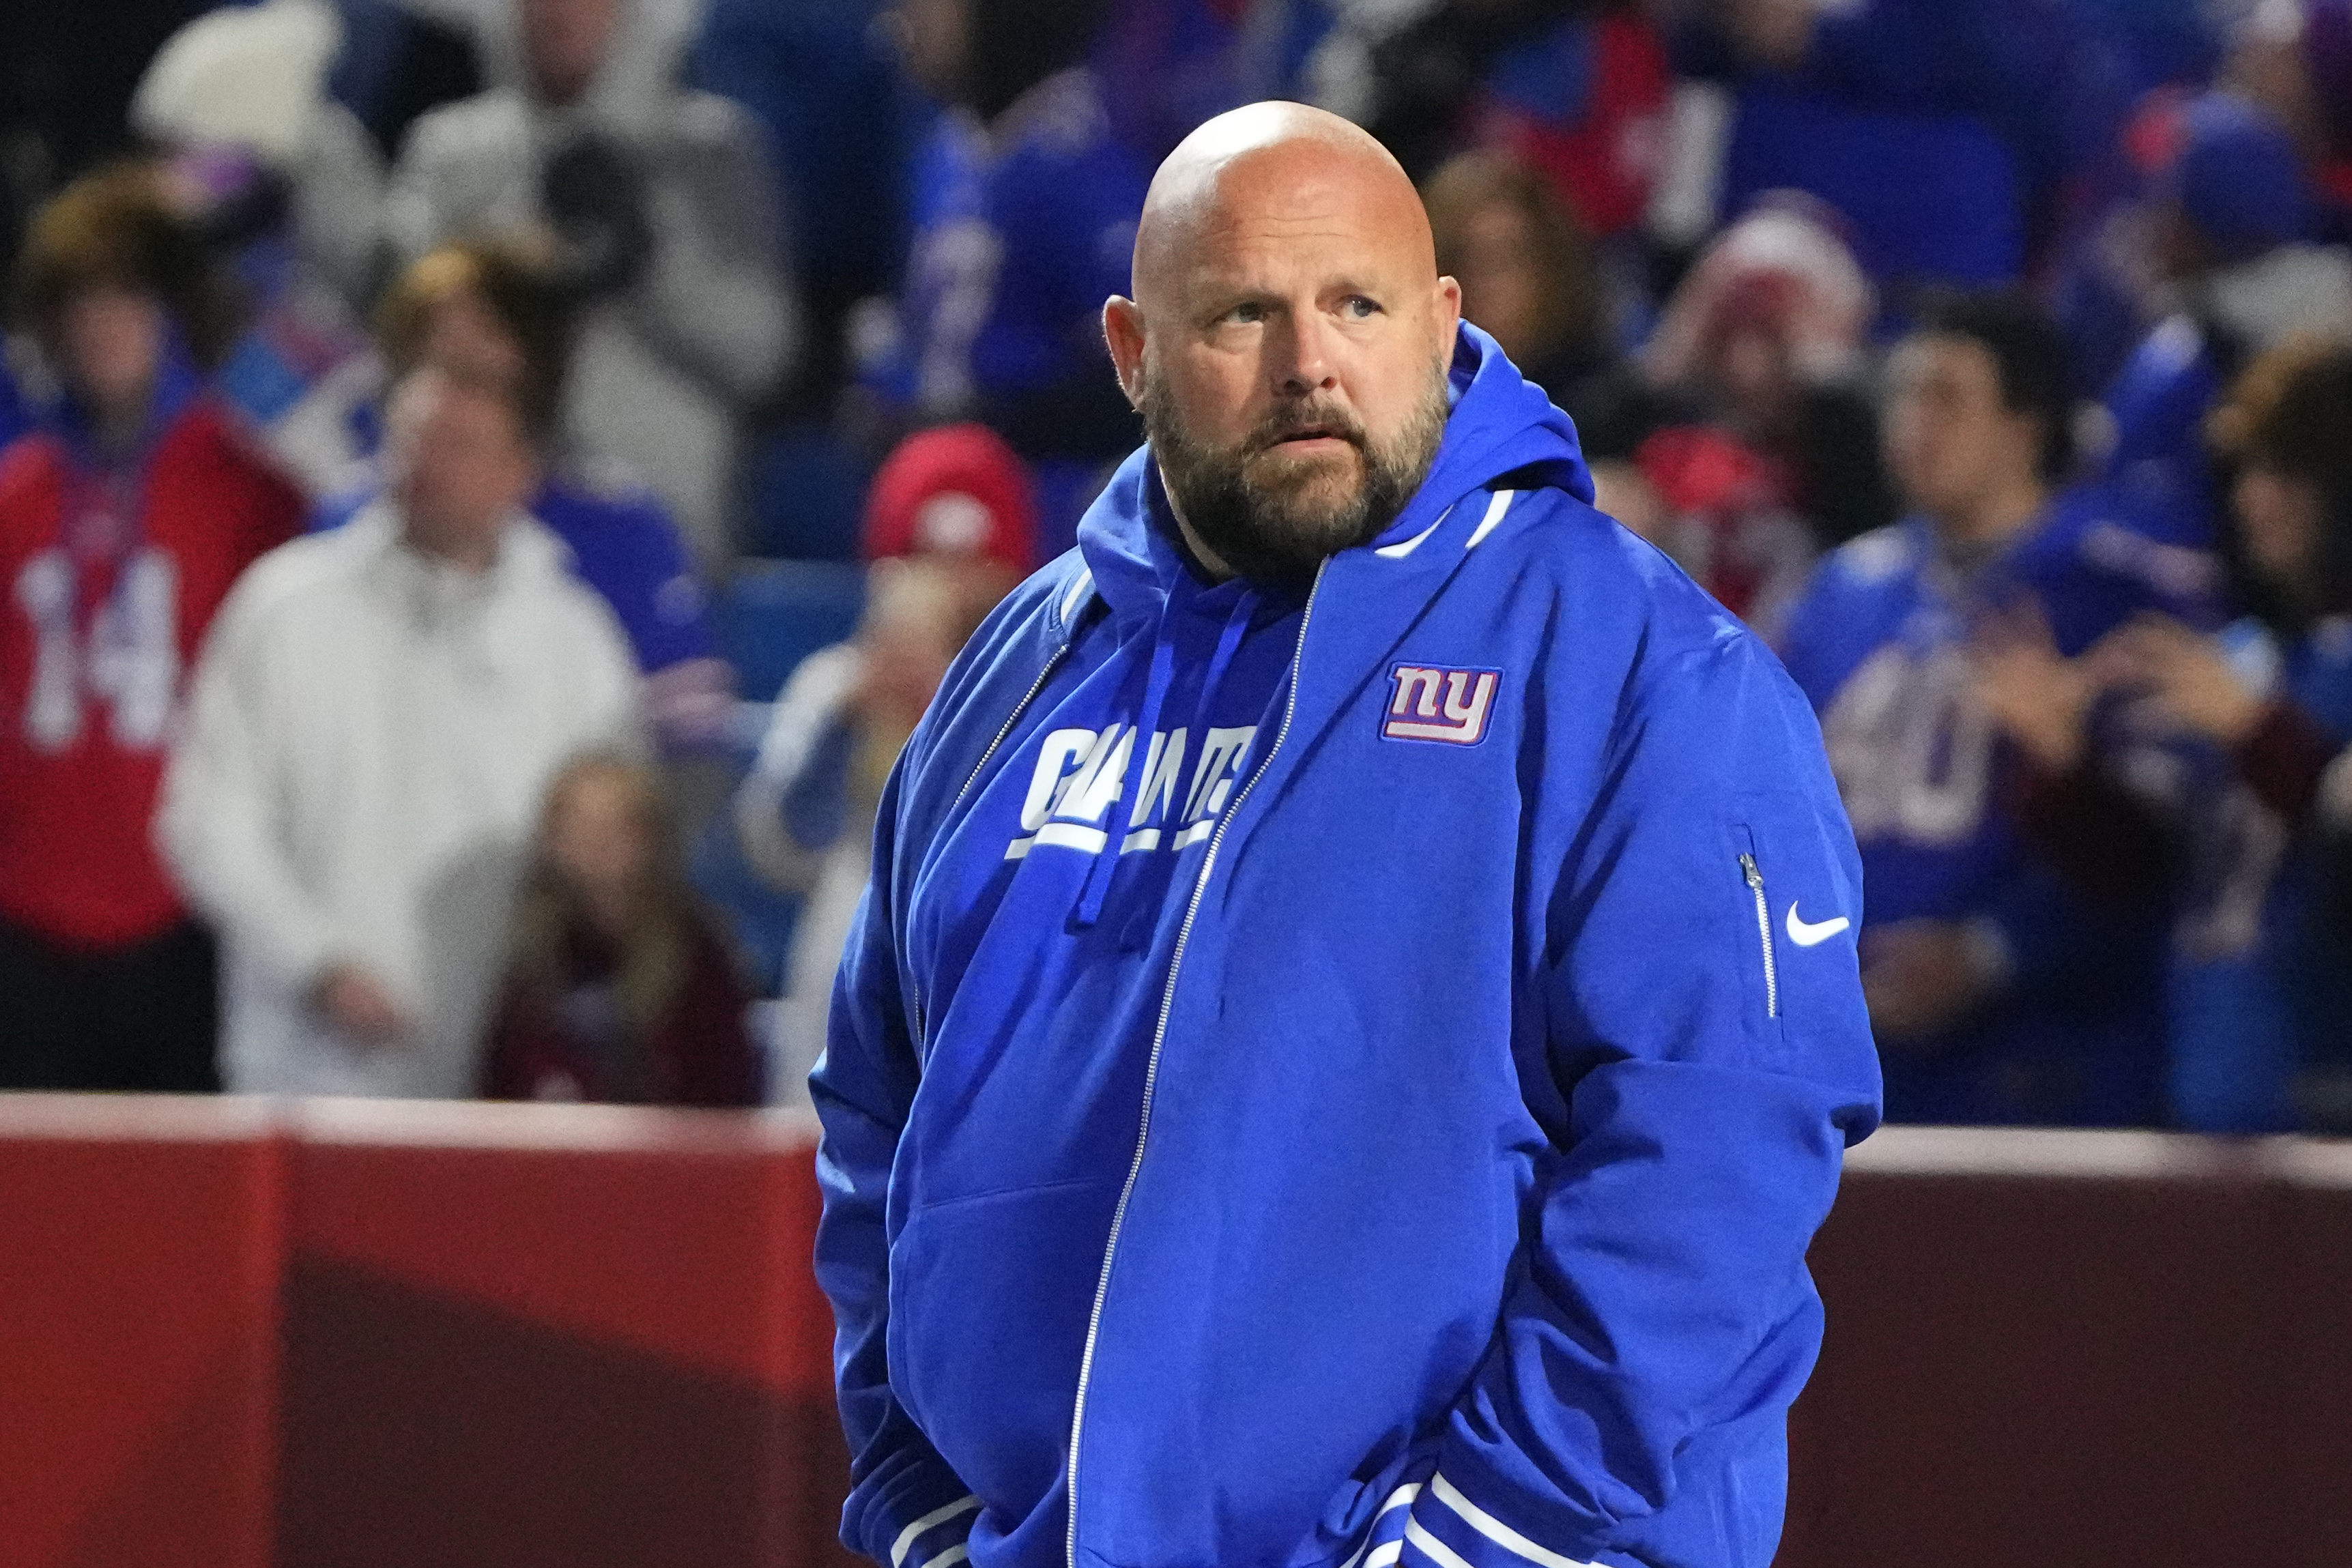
(1312, 420)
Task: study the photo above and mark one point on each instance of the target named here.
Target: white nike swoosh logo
(1814, 932)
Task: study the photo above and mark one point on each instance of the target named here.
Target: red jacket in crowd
(112, 578)
(569, 1041)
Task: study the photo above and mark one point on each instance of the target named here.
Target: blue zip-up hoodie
(1394, 1141)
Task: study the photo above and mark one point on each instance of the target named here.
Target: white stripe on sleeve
(1494, 1530)
(1399, 552)
(1429, 1546)
(929, 1521)
(1401, 1498)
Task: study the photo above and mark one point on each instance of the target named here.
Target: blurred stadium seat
(772, 614)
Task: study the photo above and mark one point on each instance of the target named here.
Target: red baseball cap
(958, 490)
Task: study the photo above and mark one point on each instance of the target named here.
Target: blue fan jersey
(1878, 643)
(2261, 983)
(1021, 229)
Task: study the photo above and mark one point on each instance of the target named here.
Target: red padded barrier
(2082, 1348)
(579, 1339)
(141, 1250)
(244, 1334)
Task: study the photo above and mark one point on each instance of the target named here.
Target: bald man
(1356, 1019)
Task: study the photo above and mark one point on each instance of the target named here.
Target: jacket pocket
(1802, 907)
(989, 1300)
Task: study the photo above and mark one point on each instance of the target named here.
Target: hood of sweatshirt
(1502, 425)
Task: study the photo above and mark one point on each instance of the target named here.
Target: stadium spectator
(951, 526)
(2226, 234)
(1769, 450)
(375, 721)
(1997, 993)
(820, 77)
(1577, 89)
(618, 987)
(1023, 218)
(286, 181)
(2294, 59)
(666, 209)
(491, 308)
(1178, 62)
(2228, 779)
(1964, 143)
(125, 515)
(1531, 277)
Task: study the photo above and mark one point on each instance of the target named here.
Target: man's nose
(1306, 362)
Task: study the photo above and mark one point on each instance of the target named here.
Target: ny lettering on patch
(1448, 706)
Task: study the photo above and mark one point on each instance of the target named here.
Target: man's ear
(1449, 314)
(1123, 331)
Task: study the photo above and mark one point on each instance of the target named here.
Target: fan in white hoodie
(376, 716)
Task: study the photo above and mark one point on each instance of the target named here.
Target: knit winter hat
(956, 490)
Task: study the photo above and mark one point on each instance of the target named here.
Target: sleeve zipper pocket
(1755, 880)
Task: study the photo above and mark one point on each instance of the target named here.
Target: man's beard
(1276, 529)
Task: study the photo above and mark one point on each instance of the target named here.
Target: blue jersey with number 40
(1879, 643)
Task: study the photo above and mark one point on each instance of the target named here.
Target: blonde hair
(512, 278)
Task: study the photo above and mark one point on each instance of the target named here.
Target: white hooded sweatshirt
(369, 739)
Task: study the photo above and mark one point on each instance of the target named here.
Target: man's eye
(1247, 313)
(1360, 309)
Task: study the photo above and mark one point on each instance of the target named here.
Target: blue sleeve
(2059, 945)
(901, 1490)
(1715, 1060)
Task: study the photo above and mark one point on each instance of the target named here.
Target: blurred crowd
(490, 485)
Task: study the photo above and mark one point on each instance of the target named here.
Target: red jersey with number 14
(109, 581)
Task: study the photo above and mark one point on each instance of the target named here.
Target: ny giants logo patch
(1448, 706)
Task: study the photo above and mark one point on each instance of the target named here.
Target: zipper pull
(1749, 871)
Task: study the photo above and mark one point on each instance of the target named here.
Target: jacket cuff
(921, 1521)
(1446, 1530)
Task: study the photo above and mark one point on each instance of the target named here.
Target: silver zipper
(1151, 1067)
(915, 991)
(1009, 720)
(1755, 879)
